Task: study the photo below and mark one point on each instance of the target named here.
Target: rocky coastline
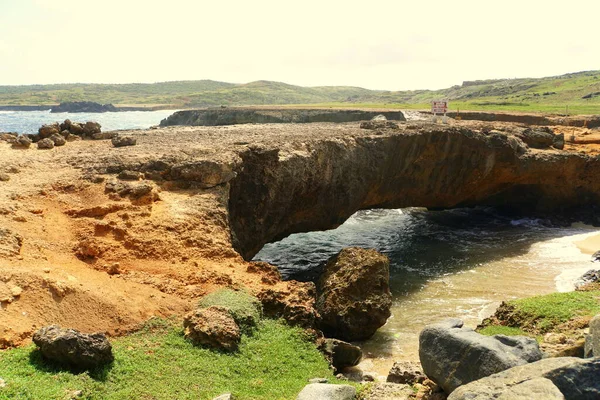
(100, 237)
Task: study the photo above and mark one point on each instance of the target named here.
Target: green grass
(158, 363)
(502, 330)
(245, 309)
(546, 95)
(540, 314)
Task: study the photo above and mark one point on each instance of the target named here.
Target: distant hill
(580, 92)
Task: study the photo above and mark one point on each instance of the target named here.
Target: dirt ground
(76, 254)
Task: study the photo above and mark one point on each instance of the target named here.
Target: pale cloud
(379, 44)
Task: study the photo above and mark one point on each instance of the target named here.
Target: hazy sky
(391, 45)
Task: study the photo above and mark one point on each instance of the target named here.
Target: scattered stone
(354, 294)
(318, 380)
(70, 348)
(406, 372)
(46, 131)
(4, 177)
(91, 128)
(16, 291)
(213, 327)
(46, 143)
(130, 175)
(21, 142)
(550, 378)
(340, 354)
(453, 356)
(114, 269)
(65, 133)
(326, 391)
(377, 124)
(58, 139)
(121, 141)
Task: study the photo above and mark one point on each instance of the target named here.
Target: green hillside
(580, 92)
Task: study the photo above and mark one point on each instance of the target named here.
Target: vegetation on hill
(572, 93)
(275, 362)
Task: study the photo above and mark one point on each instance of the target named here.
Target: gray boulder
(72, 349)
(354, 294)
(559, 141)
(453, 356)
(538, 138)
(592, 340)
(567, 378)
(325, 391)
(340, 354)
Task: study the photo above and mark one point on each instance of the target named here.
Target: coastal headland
(101, 238)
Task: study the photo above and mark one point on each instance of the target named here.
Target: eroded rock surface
(213, 327)
(354, 294)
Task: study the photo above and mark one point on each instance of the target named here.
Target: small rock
(22, 142)
(318, 380)
(16, 291)
(91, 128)
(70, 348)
(2, 383)
(596, 256)
(213, 327)
(340, 354)
(4, 177)
(406, 372)
(226, 396)
(130, 175)
(121, 141)
(46, 143)
(58, 139)
(114, 269)
(76, 394)
(325, 391)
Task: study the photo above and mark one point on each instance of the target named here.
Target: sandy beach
(589, 245)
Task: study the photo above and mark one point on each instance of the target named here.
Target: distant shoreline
(49, 107)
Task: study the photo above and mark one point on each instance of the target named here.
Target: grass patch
(244, 308)
(158, 363)
(492, 330)
(541, 314)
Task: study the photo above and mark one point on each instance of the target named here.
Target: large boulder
(122, 141)
(354, 294)
(592, 340)
(213, 327)
(21, 142)
(326, 391)
(453, 356)
(46, 143)
(90, 128)
(567, 378)
(58, 139)
(72, 349)
(539, 138)
(45, 131)
(340, 354)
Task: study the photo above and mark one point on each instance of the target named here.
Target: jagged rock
(453, 356)
(354, 294)
(378, 124)
(538, 138)
(121, 141)
(326, 391)
(591, 276)
(559, 141)
(406, 372)
(46, 131)
(550, 378)
(91, 128)
(10, 243)
(596, 256)
(46, 143)
(295, 304)
(8, 136)
(58, 139)
(21, 142)
(70, 348)
(340, 354)
(213, 327)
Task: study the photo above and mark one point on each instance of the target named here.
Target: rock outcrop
(354, 297)
(318, 185)
(234, 116)
(213, 327)
(72, 349)
(82, 107)
(567, 378)
(453, 356)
